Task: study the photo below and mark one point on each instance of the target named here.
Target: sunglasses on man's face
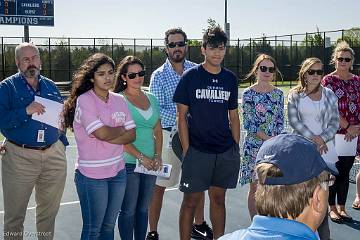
(133, 75)
(174, 44)
(318, 72)
(265, 69)
(341, 59)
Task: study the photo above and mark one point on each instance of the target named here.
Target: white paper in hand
(52, 115)
(331, 155)
(344, 148)
(163, 172)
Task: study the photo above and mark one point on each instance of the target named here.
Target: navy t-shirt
(209, 98)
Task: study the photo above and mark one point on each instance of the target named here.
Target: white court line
(77, 202)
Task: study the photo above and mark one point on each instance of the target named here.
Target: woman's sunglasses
(318, 72)
(174, 44)
(133, 75)
(341, 59)
(265, 69)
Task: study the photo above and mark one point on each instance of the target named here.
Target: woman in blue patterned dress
(263, 118)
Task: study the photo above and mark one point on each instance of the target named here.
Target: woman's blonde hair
(305, 66)
(256, 64)
(342, 46)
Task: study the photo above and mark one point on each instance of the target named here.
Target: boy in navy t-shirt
(209, 130)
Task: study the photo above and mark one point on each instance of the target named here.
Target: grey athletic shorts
(201, 170)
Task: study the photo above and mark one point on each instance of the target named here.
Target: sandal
(356, 205)
(345, 216)
(335, 217)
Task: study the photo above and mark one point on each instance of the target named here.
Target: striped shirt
(329, 115)
(99, 159)
(163, 83)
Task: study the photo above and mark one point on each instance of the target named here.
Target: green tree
(60, 62)
(211, 24)
(351, 36)
(194, 43)
(315, 39)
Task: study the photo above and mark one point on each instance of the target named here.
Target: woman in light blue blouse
(263, 118)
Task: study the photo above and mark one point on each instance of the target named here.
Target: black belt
(167, 129)
(42, 148)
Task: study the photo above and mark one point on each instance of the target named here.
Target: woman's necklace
(317, 105)
(105, 99)
(137, 100)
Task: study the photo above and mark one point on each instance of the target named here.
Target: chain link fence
(62, 56)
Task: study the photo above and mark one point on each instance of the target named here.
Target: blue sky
(150, 18)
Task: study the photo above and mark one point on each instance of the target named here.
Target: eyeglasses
(341, 59)
(133, 75)
(28, 60)
(174, 44)
(264, 69)
(318, 72)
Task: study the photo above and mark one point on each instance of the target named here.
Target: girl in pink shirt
(102, 124)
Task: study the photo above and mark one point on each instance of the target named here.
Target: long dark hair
(81, 83)
(122, 69)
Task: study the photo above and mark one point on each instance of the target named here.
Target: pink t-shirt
(99, 159)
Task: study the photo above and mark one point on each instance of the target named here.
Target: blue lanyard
(30, 88)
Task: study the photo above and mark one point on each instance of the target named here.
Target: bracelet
(141, 158)
(347, 127)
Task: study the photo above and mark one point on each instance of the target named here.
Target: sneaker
(152, 236)
(202, 231)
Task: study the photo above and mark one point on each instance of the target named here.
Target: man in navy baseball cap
(293, 189)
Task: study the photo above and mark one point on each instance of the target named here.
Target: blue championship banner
(27, 12)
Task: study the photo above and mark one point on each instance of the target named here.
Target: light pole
(226, 24)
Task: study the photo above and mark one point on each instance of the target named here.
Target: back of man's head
(283, 201)
(289, 169)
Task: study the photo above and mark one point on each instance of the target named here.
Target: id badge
(41, 136)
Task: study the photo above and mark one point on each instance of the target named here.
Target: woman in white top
(313, 112)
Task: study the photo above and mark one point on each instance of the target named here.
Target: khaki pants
(169, 157)
(22, 170)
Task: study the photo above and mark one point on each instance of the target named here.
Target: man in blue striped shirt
(163, 83)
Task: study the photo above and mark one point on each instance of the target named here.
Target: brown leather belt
(41, 148)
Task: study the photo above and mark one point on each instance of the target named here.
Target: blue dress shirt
(15, 124)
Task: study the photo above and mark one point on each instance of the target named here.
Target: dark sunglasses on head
(133, 75)
(264, 69)
(318, 72)
(174, 44)
(341, 59)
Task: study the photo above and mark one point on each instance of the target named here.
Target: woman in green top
(133, 218)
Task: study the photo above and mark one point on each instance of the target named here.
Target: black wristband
(347, 127)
